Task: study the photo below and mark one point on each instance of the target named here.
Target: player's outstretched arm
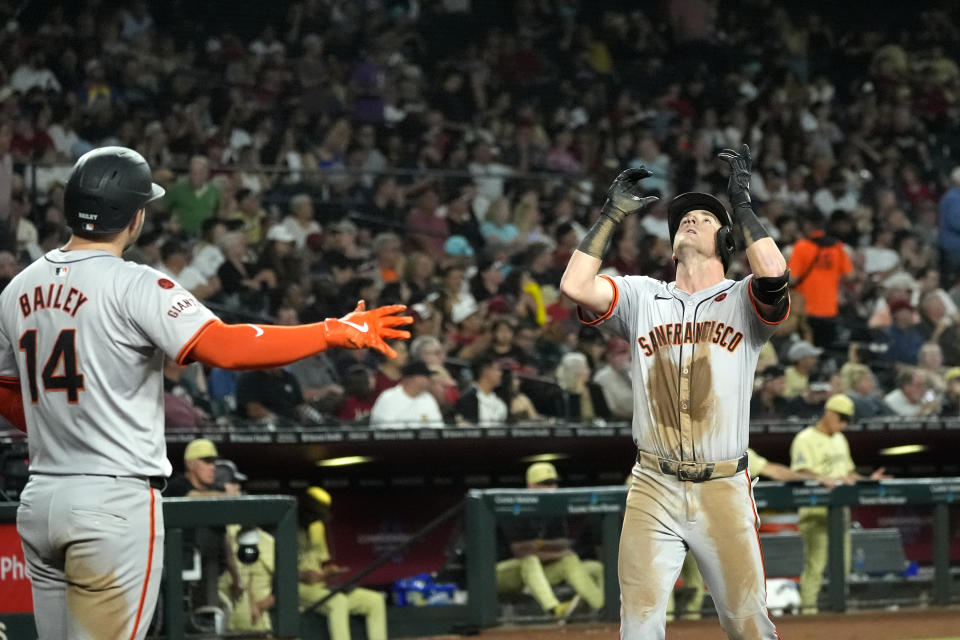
(764, 256)
(248, 346)
(580, 281)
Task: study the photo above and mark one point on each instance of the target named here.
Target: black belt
(692, 471)
(157, 482)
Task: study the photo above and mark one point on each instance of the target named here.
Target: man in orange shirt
(817, 265)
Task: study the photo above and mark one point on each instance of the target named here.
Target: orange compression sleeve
(247, 346)
(11, 403)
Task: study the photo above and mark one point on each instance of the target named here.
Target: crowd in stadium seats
(449, 154)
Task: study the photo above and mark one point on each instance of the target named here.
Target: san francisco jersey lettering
(695, 410)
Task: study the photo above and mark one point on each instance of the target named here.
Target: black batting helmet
(106, 189)
(694, 201)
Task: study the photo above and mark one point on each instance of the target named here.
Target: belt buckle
(688, 471)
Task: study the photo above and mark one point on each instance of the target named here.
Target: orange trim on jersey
(146, 580)
(11, 402)
(756, 310)
(188, 346)
(756, 529)
(613, 304)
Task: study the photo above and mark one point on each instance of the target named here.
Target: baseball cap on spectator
(542, 472)
(840, 403)
(802, 349)
(951, 374)
(200, 448)
(457, 246)
(617, 346)
(416, 368)
(280, 233)
(226, 471)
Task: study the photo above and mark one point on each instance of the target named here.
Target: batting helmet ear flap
(726, 245)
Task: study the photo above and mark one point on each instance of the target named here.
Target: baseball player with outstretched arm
(83, 335)
(694, 349)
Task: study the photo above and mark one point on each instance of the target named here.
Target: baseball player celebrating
(695, 344)
(83, 335)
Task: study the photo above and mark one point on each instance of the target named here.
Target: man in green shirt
(194, 198)
(823, 450)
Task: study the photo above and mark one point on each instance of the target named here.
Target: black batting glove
(738, 187)
(625, 194)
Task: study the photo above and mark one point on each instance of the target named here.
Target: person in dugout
(317, 567)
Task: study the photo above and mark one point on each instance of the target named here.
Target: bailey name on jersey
(677, 333)
(50, 298)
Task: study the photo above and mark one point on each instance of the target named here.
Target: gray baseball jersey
(86, 332)
(693, 361)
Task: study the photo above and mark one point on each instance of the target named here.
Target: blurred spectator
(194, 198)
(809, 402)
(804, 357)
(614, 381)
(184, 405)
(443, 385)
(950, 229)
(860, 384)
(251, 214)
(301, 222)
(904, 336)
(951, 397)
(479, 404)
(409, 404)
(429, 230)
(273, 393)
(317, 375)
(768, 402)
(390, 370)
(358, 395)
(580, 399)
(175, 262)
(913, 396)
(817, 265)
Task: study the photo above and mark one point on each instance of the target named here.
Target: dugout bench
(485, 507)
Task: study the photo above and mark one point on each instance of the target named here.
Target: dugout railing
(485, 507)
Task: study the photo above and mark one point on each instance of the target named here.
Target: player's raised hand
(625, 194)
(738, 187)
(362, 329)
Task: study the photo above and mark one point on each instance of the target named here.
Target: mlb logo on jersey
(60, 271)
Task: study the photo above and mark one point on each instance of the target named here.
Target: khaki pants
(338, 609)
(813, 529)
(585, 576)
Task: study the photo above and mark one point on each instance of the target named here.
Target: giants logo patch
(165, 284)
(183, 305)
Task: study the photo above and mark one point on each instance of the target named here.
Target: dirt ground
(914, 624)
